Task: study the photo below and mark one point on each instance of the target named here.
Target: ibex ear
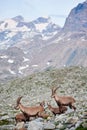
(43, 102)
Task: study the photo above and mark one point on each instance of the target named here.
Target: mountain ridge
(17, 29)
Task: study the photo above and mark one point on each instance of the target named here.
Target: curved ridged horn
(18, 100)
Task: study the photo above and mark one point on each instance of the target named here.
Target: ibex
(20, 129)
(21, 117)
(30, 111)
(57, 110)
(63, 100)
(43, 115)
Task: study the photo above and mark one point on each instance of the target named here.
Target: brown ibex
(57, 110)
(21, 117)
(63, 100)
(20, 129)
(30, 111)
(43, 115)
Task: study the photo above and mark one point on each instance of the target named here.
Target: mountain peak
(80, 7)
(42, 20)
(18, 18)
(78, 16)
(17, 29)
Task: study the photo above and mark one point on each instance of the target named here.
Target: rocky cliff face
(77, 19)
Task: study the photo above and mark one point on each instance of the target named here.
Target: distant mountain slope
(69, 48)
(17, 32)
(40, 44)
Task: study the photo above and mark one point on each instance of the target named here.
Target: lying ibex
(57, 110)
(20, 129)
(21, 117)
(63, 100)
(30, 111)
(43, 115)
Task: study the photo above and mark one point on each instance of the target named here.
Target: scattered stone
(73, 120)
(84, 125)
(35, 125)
(78, 124)
(7, 127)
(49, 126)
(60, 126)
(19, 125)
(4, 117)
(85, 113)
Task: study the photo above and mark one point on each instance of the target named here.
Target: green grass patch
(4, 122)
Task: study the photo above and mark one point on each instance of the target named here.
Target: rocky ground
(36, 88)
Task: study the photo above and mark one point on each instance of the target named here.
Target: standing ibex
(57, 110)
(63, 100)
(30, 111)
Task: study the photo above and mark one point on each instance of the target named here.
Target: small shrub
(4, 122)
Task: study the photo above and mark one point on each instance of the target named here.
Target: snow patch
(11, 34)
(34, 65)
(64, 65)
(11, 61)
(41, 26)
(10, 24)
(68, 39)
(83, 39)
(20, 72)
(4, 57)
(25, 59)
(46, 37)
(48, 63)
(25, 52)
(23, 67)
(49, 35)
(4, 44)
(60, 38)
(11, 71)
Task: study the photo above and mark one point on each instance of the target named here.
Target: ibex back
(32, 110)
(63, 100)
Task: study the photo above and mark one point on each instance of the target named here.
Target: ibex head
(18, 102)
(54, 91)
(48, 104)
(42, 103)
